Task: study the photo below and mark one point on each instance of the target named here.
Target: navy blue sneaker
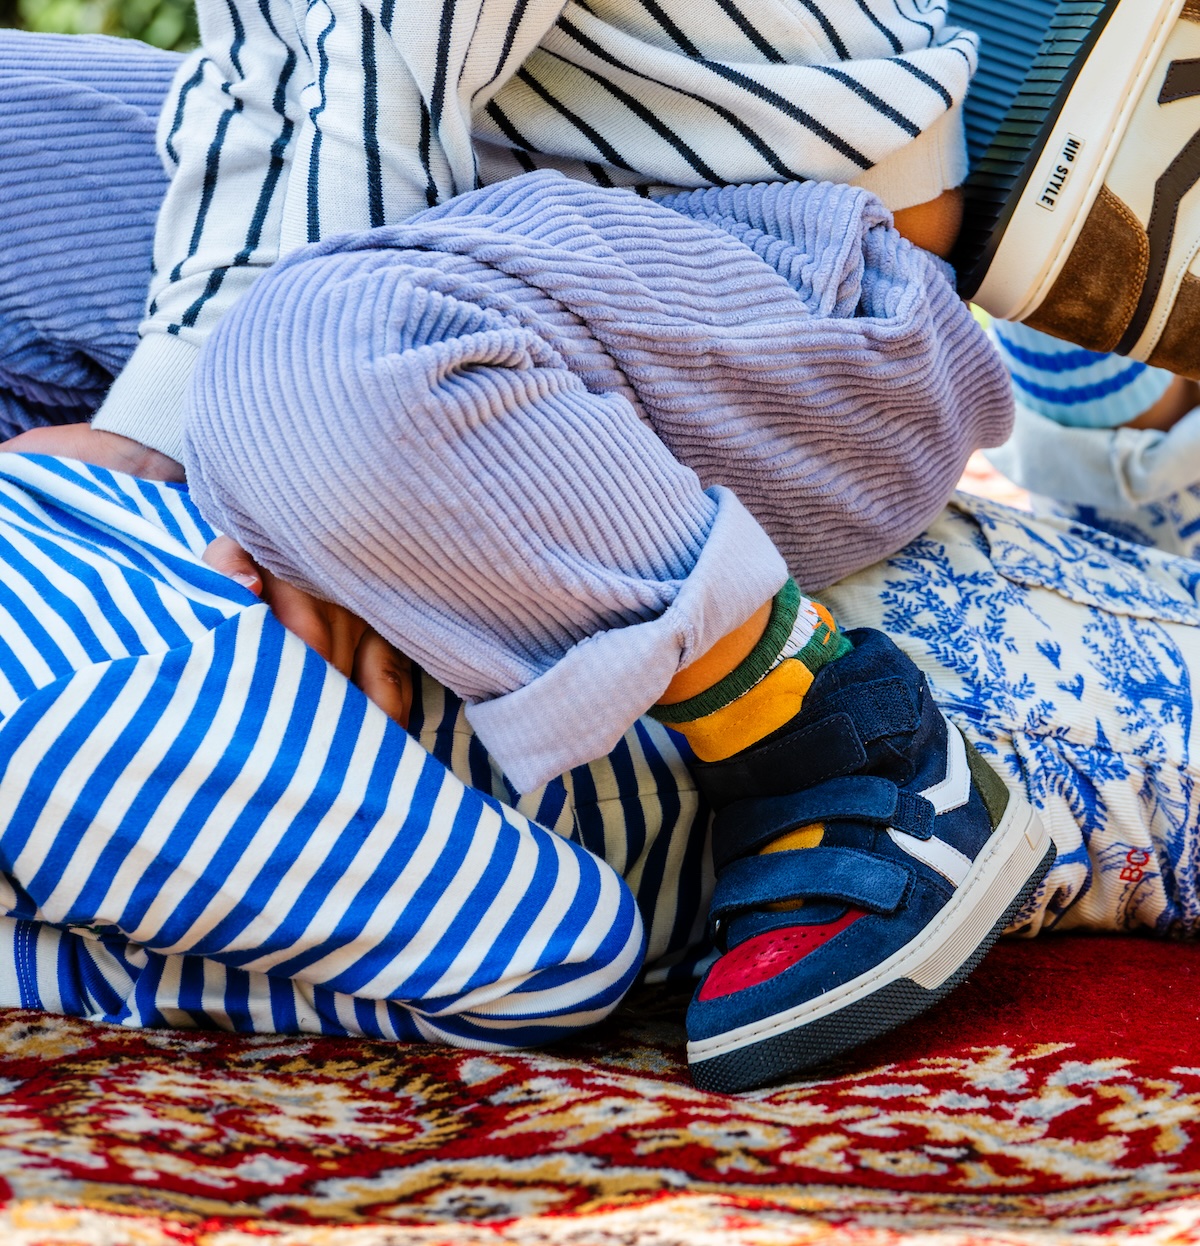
(867, 857)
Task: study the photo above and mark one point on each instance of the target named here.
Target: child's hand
(340, 637)
(102, 449)
(1181, 398)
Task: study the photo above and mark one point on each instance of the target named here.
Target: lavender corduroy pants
(556, 441)
(553, 440)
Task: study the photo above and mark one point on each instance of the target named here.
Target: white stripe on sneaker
(951, 792)
(935, 853)
(954, 789)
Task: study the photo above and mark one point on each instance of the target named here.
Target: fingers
(227, 556)
(385, 675)
(343, 639)
(332, 630)
(328, 628)
(303, 614)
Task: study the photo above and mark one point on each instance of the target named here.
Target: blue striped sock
(1072, 386)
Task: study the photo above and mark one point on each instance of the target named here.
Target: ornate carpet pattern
(1054, 1098)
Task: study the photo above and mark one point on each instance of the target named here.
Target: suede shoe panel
(1096, 294)
(1177, 347)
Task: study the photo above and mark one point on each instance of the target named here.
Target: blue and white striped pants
(203, 822)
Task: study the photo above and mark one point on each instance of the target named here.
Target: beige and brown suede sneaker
(1083, 218)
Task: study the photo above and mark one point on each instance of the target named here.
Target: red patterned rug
(1055, 1097)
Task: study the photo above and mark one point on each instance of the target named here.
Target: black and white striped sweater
(298, 119)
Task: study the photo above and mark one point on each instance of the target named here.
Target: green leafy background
(165, 23)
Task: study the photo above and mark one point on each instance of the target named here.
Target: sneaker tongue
(789, 841)
(798, 837)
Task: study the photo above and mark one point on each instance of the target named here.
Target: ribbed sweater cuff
(918, 172)
(1074, 387)
(146, 402)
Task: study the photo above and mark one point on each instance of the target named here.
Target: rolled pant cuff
(578, 709)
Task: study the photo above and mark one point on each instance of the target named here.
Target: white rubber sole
(1068, 175)
(1013, 855)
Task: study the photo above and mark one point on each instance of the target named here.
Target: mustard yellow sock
(767, 688)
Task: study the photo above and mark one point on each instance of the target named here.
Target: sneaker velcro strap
(878, 707)
(833, 744)
(746, 826)
(863, 879)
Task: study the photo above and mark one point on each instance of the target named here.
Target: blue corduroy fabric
(478, 430)
(80, 183)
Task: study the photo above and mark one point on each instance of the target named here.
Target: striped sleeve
(449, 94)
(202, 822)
(236, 799)
(227, 135)
(696, 93)
(1073, 387)
(388, 113)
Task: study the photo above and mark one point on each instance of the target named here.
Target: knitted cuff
(794, 618)
(1073, 387)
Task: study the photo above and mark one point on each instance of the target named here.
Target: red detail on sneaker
(769, 954)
